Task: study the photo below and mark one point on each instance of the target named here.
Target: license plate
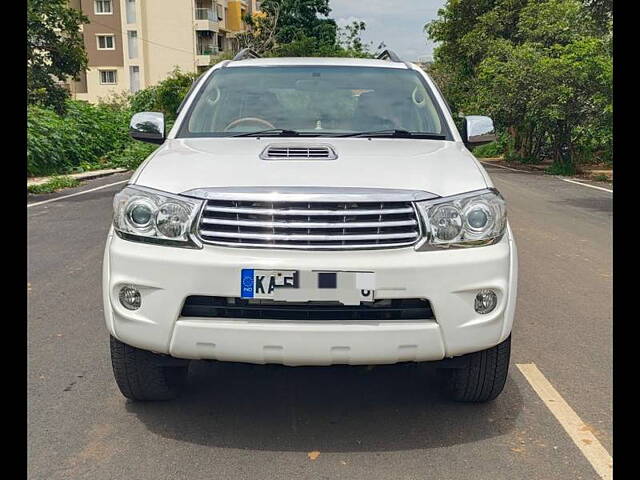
(263, 283)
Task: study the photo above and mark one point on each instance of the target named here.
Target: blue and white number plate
(263, 283)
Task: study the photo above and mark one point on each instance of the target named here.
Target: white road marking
(586, 185)
(500, 166)
(579, 432)
(75, 194)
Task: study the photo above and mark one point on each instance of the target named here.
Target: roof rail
(389, 55)
(245, 53)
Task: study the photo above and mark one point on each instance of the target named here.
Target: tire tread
(139, 377)
(484, 377)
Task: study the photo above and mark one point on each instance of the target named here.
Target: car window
(316, 99)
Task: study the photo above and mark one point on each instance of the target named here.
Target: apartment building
(133, 44)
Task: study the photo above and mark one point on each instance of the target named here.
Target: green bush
(131, 156)
(560, 169)
(490, 150)
(165, 97)
(144, 100)
(43, 140)
(487, 151)
(499, 148)
(89, 136)
(76, 141)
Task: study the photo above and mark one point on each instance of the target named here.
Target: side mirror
(478, 130)
(148, 127)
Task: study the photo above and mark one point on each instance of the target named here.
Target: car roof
(316, 61)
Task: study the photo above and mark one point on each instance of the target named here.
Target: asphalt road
(243, 421)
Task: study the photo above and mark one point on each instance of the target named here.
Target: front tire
(144, 376)
(483, 376)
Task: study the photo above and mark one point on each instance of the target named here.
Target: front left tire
(483, 376)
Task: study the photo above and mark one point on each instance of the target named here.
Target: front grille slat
(311, 225)
(305, 237)
(309, 211)
(222, 307)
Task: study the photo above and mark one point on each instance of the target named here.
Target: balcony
(206, 19)
(205, 53)
(207, 50)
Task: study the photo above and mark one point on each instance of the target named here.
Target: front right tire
(146, 376)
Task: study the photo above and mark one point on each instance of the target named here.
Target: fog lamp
(486, 301)
(130, 298)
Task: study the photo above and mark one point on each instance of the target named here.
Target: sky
(397, 23)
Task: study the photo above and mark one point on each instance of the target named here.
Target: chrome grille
(309, 225)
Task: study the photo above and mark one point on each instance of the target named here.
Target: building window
(131, 11)
(108, 77)
(205, 43)
(103, 7)
(134, 78)
(219, 11)
(132, 37)
(106, 42)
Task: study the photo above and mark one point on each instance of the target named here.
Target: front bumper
(449, 279)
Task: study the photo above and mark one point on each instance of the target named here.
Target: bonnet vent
(298, 152)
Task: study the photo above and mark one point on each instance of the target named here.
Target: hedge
(96, 136)
(77, 141)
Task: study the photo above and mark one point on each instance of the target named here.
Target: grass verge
(53, 185)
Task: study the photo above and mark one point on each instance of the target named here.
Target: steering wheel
(248, 119)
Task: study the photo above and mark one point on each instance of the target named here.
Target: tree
(351, 42)
(295, 28)
(55, 51)
(262, 33)
(302, 18)
(601, 12)
(166, 96)
(541, 68)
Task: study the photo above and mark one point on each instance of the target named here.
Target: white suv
(310, 211)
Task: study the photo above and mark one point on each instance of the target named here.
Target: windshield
(313, 101)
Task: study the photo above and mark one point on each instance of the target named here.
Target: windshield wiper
(278, 132)
(395, 132)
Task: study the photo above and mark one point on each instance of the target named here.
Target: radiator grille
(222, 307)
(309, 225)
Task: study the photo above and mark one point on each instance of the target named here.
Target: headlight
(471, 219)
(146, 215)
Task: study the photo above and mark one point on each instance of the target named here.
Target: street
(239, 421)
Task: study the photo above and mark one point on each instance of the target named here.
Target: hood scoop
(298, 151)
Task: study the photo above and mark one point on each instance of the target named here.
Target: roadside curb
(503, 167)
(584, 175)
(78, 176)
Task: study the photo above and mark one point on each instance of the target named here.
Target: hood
(440, 167)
